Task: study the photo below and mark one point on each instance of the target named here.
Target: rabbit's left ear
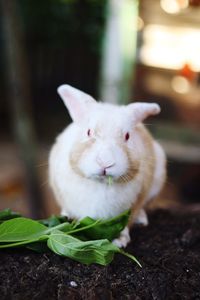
(77, 102)
(141, 110)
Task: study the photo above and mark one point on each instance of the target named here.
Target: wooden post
(18, 86)
(119, 51)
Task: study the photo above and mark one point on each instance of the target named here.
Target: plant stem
(43, 238)
(85, 227)
(131, 257)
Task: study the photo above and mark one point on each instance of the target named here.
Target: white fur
(141, 218)
(88, 193)
(160, 171)
(80, 197)
(124, 238)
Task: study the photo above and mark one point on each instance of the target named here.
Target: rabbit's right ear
(77, 102)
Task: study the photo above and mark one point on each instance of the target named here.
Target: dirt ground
(168, 249)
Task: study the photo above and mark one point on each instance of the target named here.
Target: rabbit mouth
(123, 178)
(108, 179)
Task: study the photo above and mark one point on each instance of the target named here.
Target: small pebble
(73, 284)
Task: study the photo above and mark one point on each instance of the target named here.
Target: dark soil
(168, 249)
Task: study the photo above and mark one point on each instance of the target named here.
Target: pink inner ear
(73, 105)
(74, 100)
(75, 109)
(142, 110)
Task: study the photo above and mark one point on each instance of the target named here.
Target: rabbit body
(105, 141)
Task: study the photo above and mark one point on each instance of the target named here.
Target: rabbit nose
(105, 169)
(103, 164)
(109, 166)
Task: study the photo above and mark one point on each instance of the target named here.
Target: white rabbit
(105, 141)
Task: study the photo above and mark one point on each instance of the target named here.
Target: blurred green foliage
(65, 22)
(63, 40)
(176, 132)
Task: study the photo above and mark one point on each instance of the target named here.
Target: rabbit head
(105, 141)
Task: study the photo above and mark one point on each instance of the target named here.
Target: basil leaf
(40, 247)
(20, 229)
(99, 251)
(131, 257)
(57, 236)
(53, 221)
(8, 214)
(105, 229)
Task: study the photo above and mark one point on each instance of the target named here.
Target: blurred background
(116, 50)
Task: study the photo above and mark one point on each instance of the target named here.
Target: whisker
(148, 124)
(169, 183)
(44, 183)
(41, 165)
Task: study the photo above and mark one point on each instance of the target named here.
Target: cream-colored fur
(94, 147)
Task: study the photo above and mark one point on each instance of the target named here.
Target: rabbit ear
(141, 110)
(77, 102)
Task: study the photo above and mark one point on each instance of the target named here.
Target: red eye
(127, 136)
(89, 132)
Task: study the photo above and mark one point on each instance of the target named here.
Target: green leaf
(110, 180)
(105, 229)
(53, 221)
(99, 251)
(8, 214)
(57, 236)
(21, 229)
(40, 247)
(77, 227)
(131, 257)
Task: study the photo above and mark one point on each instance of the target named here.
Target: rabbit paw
(123, 239)
(141, 218)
